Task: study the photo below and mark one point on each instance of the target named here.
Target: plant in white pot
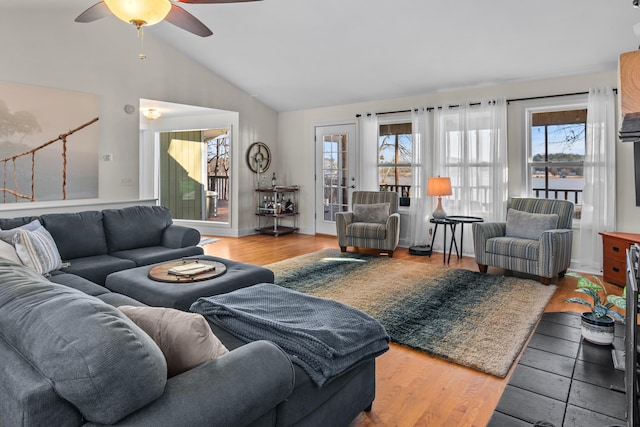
(599, 323)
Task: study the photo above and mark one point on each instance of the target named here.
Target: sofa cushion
(155, 254)
(135, 226)
(9, 223)
(105, 365)
(362, 230)
(37, 250)
(526, 225)
(7, 234)
(77, 234)
(27, 398)
(185, 339)
(514, 247)
(373, 212)
(77, 282)
(96, 268)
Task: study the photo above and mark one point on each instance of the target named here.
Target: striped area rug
(477, 320)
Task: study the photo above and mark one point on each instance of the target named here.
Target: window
(395, 151)
(556, 159)
(471, 150)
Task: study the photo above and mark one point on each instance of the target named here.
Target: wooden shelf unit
(614, 246)
(277, 213)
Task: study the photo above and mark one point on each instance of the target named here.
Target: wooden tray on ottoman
(181, 271)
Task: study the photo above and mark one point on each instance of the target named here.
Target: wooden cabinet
(276, 204)
(614, 247)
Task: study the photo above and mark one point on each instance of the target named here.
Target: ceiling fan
(149, 12)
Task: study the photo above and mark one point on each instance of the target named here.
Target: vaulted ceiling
(299, 54)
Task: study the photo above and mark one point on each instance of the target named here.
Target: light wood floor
(413, 388)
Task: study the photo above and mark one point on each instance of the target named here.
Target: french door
(335, 173)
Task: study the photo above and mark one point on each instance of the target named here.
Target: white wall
(49, 49)
(295, 137)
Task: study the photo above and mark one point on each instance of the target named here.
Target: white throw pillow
(37, 250)
(7, 251)
(186, 340)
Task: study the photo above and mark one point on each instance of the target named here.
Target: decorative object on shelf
(273, 180)
(258, 157)
(439, 187)
(597, 324)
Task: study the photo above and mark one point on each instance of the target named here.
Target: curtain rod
(615, 90)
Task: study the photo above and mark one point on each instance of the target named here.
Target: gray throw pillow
(526, 225)
(7, 235)
(373, 212)
(186, 340)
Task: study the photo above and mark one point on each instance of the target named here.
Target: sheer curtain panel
(421, 169)
(599, 193)
(470, 147)
(368, 153)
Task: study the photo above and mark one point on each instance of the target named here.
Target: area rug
(473, 319)
(207, 241)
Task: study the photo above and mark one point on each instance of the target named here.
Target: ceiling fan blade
(183, 19)
(95, 12)
(214, 1)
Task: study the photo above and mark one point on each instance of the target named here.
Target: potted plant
(597, 324)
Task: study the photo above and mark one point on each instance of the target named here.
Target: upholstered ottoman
(135, 282)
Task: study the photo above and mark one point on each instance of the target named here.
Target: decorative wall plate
(259, 157)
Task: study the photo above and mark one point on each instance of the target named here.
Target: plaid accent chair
(370, 224)
(512, 245)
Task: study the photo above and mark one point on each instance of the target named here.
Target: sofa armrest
(555, 252)
(178, 236)
(233, 390)
(393, 230)
(483, 231)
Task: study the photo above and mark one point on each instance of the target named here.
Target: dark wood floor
(413, 388)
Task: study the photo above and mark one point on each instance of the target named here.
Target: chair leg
(483, 268)
(562, 273)
(545, 280)
(343, 249)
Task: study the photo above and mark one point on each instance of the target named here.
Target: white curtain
(470, 147)
(368, 153)
(599, 193)
(421, 169)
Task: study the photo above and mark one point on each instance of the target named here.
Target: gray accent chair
(383, 236)
(546, 256)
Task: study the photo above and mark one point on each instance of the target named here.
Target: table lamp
(439, 187)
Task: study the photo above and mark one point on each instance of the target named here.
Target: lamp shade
(439, 186)
(140, 12)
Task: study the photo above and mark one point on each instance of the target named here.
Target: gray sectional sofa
(97, 243)
(70, 357)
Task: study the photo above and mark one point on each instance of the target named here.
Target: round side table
(461, 219)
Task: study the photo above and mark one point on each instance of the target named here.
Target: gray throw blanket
(324, 337)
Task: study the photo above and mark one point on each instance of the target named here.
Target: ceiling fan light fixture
(139, 12)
